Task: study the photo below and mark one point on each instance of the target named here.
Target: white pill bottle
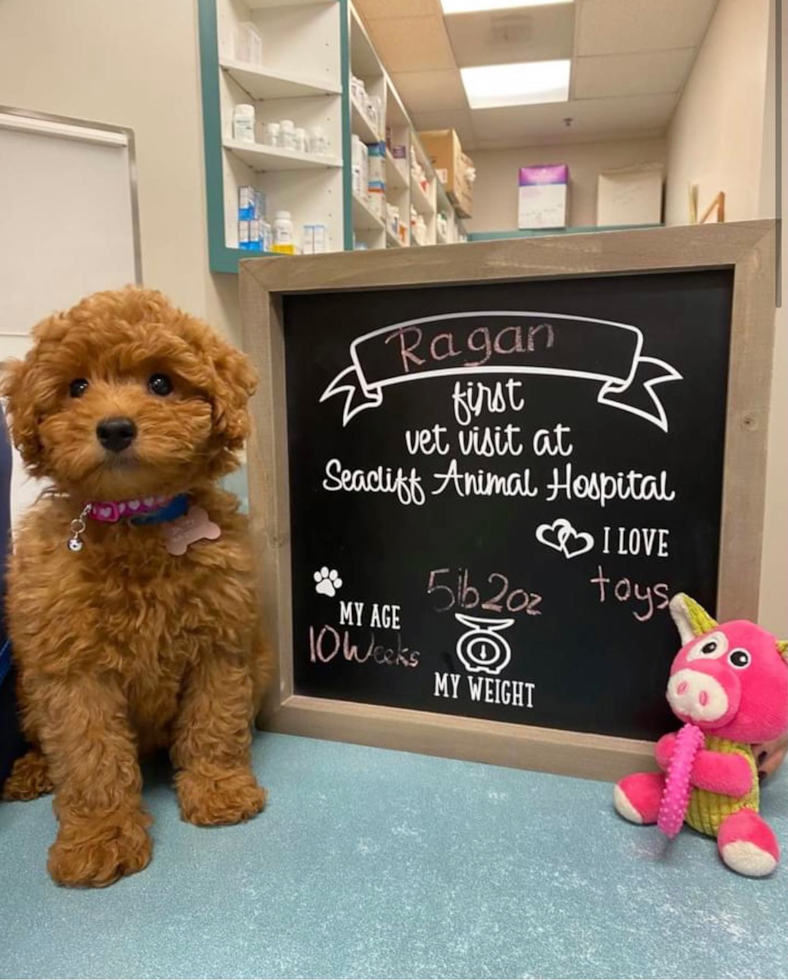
(243, 123)
(283, 228)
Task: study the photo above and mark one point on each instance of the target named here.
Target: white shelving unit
(392, 241)
(361, 125)
(265, 83)
(267, 4)
(403, 190)
(397, 176)
(298, 75)
(421, 199)
(300, 78)
(263, 159)
(369, 230)
(364, 218)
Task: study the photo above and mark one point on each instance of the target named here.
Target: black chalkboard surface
(495, 488)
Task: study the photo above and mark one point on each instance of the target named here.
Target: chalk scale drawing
(481, 649)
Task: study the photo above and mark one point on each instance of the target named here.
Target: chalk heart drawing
(327, 582)
(561, 536)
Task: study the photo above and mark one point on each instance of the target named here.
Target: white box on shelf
(248, 43)
(543, 196)
(630, 196)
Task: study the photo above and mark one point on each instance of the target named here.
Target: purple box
(543, 196)
(548, 173)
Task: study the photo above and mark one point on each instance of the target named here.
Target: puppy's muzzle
(116, 434)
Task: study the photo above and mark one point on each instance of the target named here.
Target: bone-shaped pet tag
(194, 526)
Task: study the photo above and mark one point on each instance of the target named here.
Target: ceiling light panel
(528, 83)
(468, 6)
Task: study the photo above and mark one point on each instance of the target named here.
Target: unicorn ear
(691, 619)
(782, 649)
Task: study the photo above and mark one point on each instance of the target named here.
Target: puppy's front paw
(215, 796)
(97, 851)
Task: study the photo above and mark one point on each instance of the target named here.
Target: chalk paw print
(327, 582)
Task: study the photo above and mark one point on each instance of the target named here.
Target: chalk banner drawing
(520, 343)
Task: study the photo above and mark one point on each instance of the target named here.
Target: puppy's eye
(78, 387)
(160, 384)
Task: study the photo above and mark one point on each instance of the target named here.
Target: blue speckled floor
(379, 864)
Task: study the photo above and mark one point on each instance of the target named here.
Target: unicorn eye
(710, 647)
(739, 659)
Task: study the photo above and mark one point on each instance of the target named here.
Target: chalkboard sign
(494, 485)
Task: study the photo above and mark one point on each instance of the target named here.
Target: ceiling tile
(459, 119)
(621, 26)
(502, 37)
(412, 43)
(425, 90)
(373, 9)
(649, 72)
(591, 118)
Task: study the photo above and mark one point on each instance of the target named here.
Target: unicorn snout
(697, 695)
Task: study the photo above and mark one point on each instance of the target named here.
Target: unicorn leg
(637, 796)
(747, 844)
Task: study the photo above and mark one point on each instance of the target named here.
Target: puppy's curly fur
(122, 647)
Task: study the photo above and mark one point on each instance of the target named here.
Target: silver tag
(77, 527)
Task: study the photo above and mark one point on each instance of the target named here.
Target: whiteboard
(68, 227)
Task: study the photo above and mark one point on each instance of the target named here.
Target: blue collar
(176, 508)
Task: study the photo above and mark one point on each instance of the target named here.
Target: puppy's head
(126, 395)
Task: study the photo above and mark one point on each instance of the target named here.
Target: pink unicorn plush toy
(730, 681)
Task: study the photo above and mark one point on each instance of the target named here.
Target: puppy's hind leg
(211, 748)
(29, 777)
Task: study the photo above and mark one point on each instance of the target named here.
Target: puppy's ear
(17, 386)
(236, 381)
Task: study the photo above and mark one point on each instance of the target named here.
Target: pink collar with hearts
(110, 512)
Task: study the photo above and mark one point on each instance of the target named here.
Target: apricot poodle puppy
(130, 597)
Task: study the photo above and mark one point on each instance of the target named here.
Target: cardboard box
(453, 167)
(630, 196)
(543, 200)
(443, 148)
(462, 196)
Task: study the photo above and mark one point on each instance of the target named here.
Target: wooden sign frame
(746, 247)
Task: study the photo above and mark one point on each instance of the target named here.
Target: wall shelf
(311, 50)
(266, 159)
(364, 218)
(267, 4)
(397, 177)
(493, 236)
(419, 199)
(361, 125)
(266, 83)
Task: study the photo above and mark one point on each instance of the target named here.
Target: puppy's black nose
(116, 434)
